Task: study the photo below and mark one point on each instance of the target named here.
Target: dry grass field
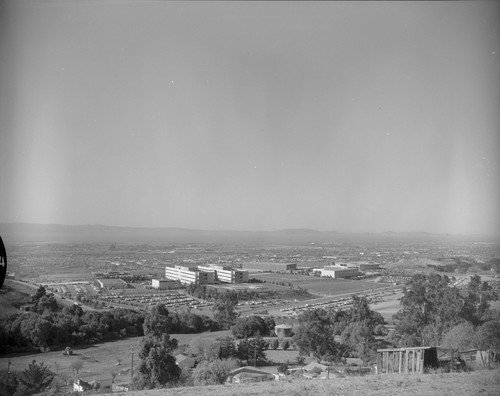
(485, 382)
(104, 358)
(321, 286)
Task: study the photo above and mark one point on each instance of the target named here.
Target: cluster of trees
(211, 294)
(48, 325)
(252, 326)
(158, 368)
(187, 322)
(356, 328)
(225, 310)
(214, 358)
(436, 313)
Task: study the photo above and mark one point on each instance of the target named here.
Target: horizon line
(304, 229)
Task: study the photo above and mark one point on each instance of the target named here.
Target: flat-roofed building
(112, 283)
(369, 266)
(269, 266)
(188, 275)
(163, 284)
(362, 265)
(226, 274)
(337, 272)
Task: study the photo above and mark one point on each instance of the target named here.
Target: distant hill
(45, 233)
(420, 264)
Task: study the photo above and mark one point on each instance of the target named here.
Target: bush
(212, 372)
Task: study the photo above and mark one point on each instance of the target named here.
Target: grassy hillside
(485, 382)
(116, 357)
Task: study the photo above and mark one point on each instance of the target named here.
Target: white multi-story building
(188, 275)
(226, 274)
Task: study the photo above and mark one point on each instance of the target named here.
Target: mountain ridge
(36, 232)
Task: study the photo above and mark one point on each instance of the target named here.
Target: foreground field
(115, 357)
(485, 382)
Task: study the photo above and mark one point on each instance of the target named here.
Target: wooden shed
(406, 360)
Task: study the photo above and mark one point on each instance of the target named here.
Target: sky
(341, 116)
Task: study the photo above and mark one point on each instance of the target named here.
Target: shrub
(285, 345)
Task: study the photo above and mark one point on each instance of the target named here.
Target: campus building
(361, 265)
(163, 284)
(226, 274)
(269, 266)
(337, 272)
(111, 284)
(188, 275)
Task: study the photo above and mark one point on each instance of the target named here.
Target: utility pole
(132, 365)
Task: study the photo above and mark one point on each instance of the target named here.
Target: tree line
(435, 313)
(47, 325)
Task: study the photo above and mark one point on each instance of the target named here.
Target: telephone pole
(132, 365)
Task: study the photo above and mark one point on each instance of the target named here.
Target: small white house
(102, 383)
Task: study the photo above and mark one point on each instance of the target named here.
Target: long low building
(269, 266)
(188, 275)
(337, 272)
(112, 283)
(206, 274)
(362, 265)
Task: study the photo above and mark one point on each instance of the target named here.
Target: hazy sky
(346, 116)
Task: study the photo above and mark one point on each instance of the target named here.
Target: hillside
(485, 382)
(416, 264)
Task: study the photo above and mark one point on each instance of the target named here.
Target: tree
(249, 327)
(77, 365)
(227, 349)
(488, 335)
(158, 367)
(211, 372)
(430, 306)
(258, 347)
(40, 292)
(225, 309)
(315, 335)
(477, 300)
(282, 368)
(40, 335)
(358, 336)
(37, 377)
(204, 348)
(47, 303)
(157, 322)
(253, 351)
(460, 336)
(285, 345)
